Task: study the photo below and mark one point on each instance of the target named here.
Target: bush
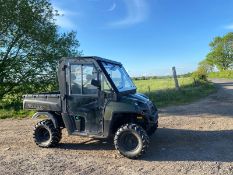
(200, 74)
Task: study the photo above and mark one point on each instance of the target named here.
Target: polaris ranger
(97, 99)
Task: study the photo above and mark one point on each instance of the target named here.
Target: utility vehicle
(97, 99)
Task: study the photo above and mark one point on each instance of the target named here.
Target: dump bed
(42, 102)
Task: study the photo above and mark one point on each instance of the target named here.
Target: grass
(15, 113)
(163, 93)
(222, 74)
(160, 91)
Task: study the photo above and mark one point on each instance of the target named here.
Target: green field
(163, 93)
(228, 74)
(160, 91)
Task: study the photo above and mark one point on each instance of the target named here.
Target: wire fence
(173, 79)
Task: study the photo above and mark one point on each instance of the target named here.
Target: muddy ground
(191, 139)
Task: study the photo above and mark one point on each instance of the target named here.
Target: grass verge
(163, 93)
(228, 74)
(15, 114)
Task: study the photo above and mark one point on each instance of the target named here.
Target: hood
(137, 97)
(141, 102)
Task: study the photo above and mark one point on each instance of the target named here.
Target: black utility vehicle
(97, 99)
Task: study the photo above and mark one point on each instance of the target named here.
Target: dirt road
(191, 139)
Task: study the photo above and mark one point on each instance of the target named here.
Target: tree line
(219, 58)
(30, 47)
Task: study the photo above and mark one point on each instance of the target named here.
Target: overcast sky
(147, 36)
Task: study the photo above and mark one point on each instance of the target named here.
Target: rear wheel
(46, 135)
(131, 141)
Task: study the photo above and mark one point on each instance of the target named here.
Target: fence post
(148, 91)
(175, 78)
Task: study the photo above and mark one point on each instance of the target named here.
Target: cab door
(83, 102)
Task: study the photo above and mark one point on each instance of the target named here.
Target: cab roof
(94, 58)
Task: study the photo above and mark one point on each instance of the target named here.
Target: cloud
(229, 27)
(64, 20)
(137, 12)
(112, 7)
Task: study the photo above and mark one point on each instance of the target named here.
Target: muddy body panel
(131, 108)
(42, 102)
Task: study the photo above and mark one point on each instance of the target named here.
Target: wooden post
(175, 78)
(148, 91)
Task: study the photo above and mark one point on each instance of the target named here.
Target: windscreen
(119, 77)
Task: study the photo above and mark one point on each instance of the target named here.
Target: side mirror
(95, 83)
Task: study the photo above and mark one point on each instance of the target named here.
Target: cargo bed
(42, 102)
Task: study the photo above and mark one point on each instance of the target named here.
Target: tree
(206, 65)
(30, 46)
(221, 54)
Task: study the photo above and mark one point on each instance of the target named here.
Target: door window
(104, 84)
(89, 73)
(76, 79)
(80, 79)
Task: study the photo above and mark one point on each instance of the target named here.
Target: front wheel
(131, 141)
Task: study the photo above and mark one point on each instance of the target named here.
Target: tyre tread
(138, 129)
(56, 133)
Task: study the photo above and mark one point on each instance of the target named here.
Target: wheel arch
(120, 118)
(57, 122)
